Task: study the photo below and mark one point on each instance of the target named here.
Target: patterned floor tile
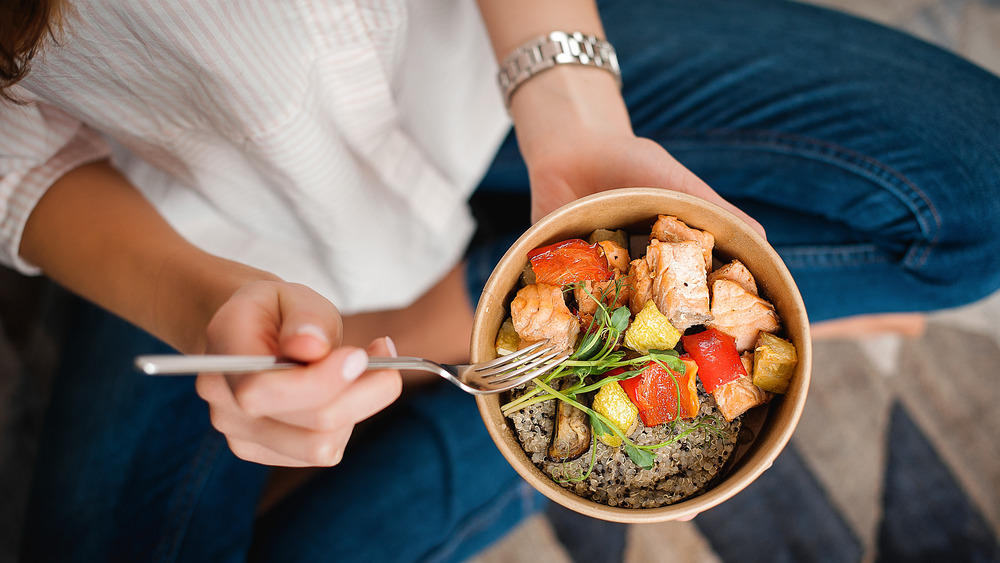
(587, 539)
(948, 381)
(927, 516)
(533, 540)
(784, 516)
(668, 541)
(841, 432)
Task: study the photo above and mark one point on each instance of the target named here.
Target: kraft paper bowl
(766, 430)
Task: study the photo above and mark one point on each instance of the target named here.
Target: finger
(256, 453)
(265, 440)
(275, 443)
(704, 191)
(676, 176)
(715, 198)
(548, 194)
(311, 325)
(214, 389)
(382, 347)
(372, 392)
(246, 324)
(268, 393)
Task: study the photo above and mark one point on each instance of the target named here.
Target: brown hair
(24, 26)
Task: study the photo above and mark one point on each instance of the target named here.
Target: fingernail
(312, 330)
(354, 365)
(391, 346)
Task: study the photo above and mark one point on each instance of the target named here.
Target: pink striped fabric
(332, 142)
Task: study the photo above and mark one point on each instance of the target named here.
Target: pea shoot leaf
(639, 456)
(619, 319)
(670, 358)
(600, 429)
(589, 346)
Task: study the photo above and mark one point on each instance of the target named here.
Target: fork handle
(400, 362)
(177, 364)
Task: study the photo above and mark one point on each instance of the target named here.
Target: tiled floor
(896, 456)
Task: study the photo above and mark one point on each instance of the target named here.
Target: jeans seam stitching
(837, 256)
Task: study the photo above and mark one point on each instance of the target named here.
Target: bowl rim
(760, 455)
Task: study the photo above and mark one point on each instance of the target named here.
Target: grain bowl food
(692, 457)
(634, 429)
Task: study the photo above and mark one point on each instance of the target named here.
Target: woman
(291, 179)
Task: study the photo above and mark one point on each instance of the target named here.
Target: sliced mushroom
(572, 433)
(618, 237)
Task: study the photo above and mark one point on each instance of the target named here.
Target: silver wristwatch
(550, 50)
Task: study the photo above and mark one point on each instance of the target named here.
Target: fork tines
(528, 363)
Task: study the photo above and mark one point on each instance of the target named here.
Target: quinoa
(682, 469)
(662, 299)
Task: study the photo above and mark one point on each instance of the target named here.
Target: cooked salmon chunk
(736, 272)
(740, 395)
(640, 283)
(671, 229)
(616, 254)
(680, 287)
(614, 293)
(741, 314)
(539, 312)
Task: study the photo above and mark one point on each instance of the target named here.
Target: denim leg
(129, 467)
(424, 482)
(870, 157)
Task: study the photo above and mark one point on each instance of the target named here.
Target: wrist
(550, 50)
(192, 288)
(567, 102)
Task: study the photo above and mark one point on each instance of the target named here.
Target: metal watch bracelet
(547, 51)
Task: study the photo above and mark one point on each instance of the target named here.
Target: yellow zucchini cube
(612, 401)
(507, 338)
(651, 330)
(774, 360)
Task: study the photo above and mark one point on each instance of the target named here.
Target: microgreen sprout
(597, 355)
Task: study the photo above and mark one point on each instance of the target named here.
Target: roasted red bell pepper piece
(570, 261)
(655, 393)
(715, 353)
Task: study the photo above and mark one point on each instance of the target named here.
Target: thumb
(548, 194)
(723, 203)
(678, 177)
(311, 326)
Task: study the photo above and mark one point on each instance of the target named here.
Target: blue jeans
(131, 470)
(870, 157)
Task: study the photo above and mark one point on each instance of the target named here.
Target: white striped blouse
(332, 142)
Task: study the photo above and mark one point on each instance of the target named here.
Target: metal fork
(494, 376)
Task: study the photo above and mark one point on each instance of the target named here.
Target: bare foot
(910, 325)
